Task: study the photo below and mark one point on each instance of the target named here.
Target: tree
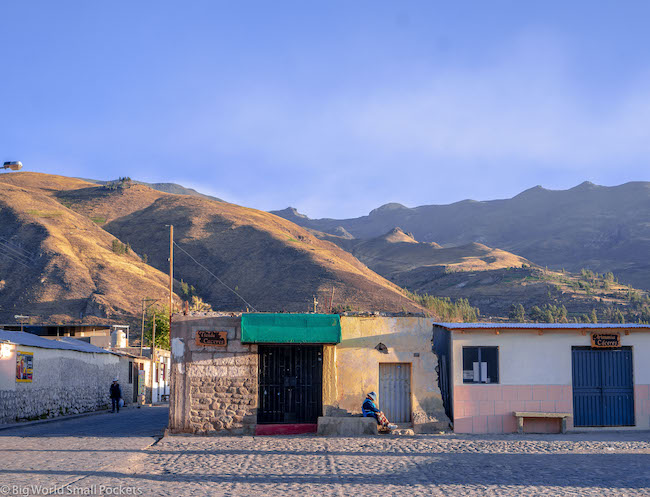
(517, 313)
(593, 317)
(536, 314)
(198, 305)
(161, 316)
(118, 247)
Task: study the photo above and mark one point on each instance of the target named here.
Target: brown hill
(58, 266)
(272, 263)
(491, 279)
(397, 252)
(588, 226)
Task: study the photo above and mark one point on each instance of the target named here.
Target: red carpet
(285, 429)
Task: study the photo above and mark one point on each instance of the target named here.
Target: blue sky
(332, 107)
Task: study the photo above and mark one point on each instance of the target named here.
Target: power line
(215, 276)
(15, 251)
(13, 258)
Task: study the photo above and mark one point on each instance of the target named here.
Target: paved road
(105, 451)
(68, 452)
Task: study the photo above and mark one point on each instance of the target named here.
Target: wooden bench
(557, 415)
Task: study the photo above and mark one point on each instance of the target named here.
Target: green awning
(290, 328)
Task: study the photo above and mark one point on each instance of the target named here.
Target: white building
(41, 378)
(597, 374)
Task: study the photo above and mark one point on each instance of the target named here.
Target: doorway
(290, 383)
(395, 391)
(603, 387)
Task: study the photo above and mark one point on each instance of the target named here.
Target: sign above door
(605, 340)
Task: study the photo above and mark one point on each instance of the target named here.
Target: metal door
(290, 379)
(395, 391)
(603, 387)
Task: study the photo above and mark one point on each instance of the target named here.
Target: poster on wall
(24, 367)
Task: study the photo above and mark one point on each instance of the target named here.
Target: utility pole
(331, 300)
(153, 301)
(153, 354)
(142, 329)
(171, 273)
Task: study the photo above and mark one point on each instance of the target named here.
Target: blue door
(603, 387)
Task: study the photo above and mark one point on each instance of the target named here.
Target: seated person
(370, 409)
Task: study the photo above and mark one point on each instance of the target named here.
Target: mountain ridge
(603, 228)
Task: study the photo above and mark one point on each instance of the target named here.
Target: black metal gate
(291, 383)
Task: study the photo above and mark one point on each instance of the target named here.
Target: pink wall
(489, 408)
(642, 405)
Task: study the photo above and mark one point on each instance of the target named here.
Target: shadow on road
(131, 422)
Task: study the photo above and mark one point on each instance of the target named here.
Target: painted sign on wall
(24, 367)
(212, 338)
(605, 340)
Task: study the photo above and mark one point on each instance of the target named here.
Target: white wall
(64, 382)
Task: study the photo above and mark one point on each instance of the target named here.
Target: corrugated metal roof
(63, 343)
(537, 326)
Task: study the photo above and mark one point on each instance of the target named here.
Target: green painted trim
(290, 328)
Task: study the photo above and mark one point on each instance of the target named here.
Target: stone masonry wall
(214, 389)
(223, 395)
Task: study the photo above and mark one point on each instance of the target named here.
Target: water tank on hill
(14, 165)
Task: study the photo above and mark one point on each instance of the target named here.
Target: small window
(480, 364)
(130, 372)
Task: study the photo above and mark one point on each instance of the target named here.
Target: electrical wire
(13, 258)
(215, 276)
(21, 254)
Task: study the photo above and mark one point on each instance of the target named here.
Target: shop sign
(605, 340)
(211, 338)
(24, 367)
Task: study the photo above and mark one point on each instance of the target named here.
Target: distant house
(95, 334)
(41, 378)
(597, 374)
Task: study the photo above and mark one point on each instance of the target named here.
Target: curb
(72, 416)
(51, 420)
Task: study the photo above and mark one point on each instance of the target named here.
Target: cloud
(525, 108)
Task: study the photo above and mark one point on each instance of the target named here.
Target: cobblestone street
(117, 452)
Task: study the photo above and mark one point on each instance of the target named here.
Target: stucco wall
(357, 366)
(216, 389)
(65, 382)
(212, 389)
(534, 375)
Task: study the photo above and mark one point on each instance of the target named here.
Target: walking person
(116, 395)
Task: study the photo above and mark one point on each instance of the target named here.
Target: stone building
(277, 373)
(41, 378)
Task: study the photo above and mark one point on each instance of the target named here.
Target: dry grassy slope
(397, 252)
(490, 279)
(74, 276)
(44, 183)
(274, 264)
(588, 226)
